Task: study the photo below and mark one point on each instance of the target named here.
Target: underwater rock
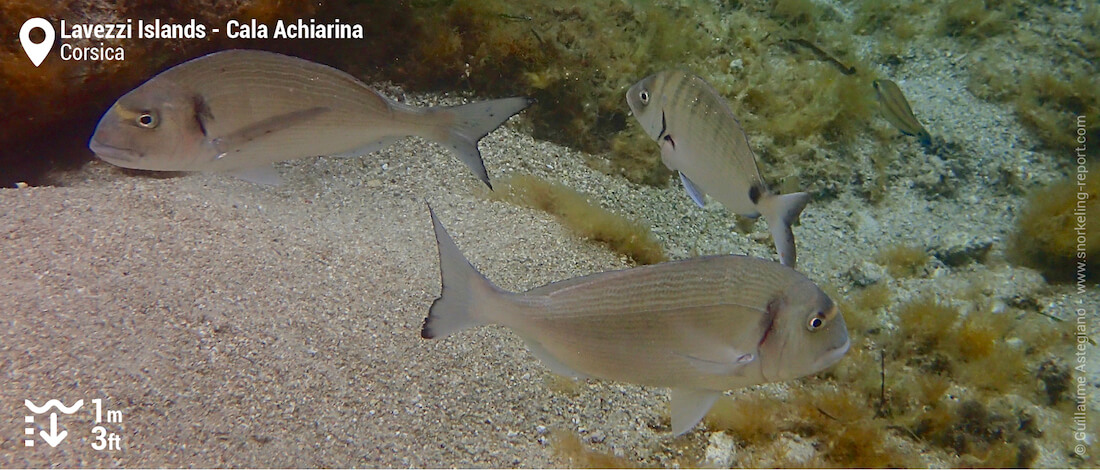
(720, 449)
(1056, 379)
(1010, 286)
(1047, 229)
(799, 452)
(960, 248)
(935, 178)
(866, 273)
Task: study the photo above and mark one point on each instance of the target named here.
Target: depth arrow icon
(53, 438)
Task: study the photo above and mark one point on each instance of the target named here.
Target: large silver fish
(699, 326)
(239, 111)
(703, 141)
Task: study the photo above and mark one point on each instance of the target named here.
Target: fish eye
(644, 96)
(147, 119)
(816, 321)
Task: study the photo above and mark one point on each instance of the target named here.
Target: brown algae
(628, 237)
(903, 260)
(1046, 238)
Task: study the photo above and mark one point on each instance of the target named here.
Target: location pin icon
(36, 51)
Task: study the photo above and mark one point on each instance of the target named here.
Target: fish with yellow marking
(240, 111)
(896, 110)
(702, 140)
(698, 326)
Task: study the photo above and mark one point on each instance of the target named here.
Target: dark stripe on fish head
(767, 322)
(767, 325)
(201, 112)
(664, 126)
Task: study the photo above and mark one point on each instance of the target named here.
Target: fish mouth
(833, 355)
(112, 154)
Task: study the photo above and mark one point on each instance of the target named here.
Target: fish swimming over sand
(895, 108)
(240, 111)
(698, 326)
(703, 141)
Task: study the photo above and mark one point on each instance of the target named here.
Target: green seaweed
(975, 18)
(1051, 105)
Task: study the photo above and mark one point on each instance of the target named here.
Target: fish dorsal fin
(696, 194)
(264, 174)
(234, 142)
(689, 407)
(551, 362)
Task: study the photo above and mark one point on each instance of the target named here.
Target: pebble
(959, 248)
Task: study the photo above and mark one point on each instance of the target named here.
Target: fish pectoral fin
(265, 175)
(696, 194)
(689, 407)
(234, 142)
(732, 364)
(551, 362)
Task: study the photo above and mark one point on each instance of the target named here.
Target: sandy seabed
(240, 325)
(234, 324)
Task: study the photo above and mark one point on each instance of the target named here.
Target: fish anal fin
(265, 175)
(371, 147)
(235, 141)
(689, 407)
(696, 194)
(551, 362)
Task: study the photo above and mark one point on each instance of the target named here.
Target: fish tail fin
(781, 210)
(465, 295)
(470, 122)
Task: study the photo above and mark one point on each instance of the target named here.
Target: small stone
(799, 452)
(959, 249)
(719, 451)
(374, 183)
(866, 273)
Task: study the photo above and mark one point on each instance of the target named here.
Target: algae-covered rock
(1052, 230)
(961, 248)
